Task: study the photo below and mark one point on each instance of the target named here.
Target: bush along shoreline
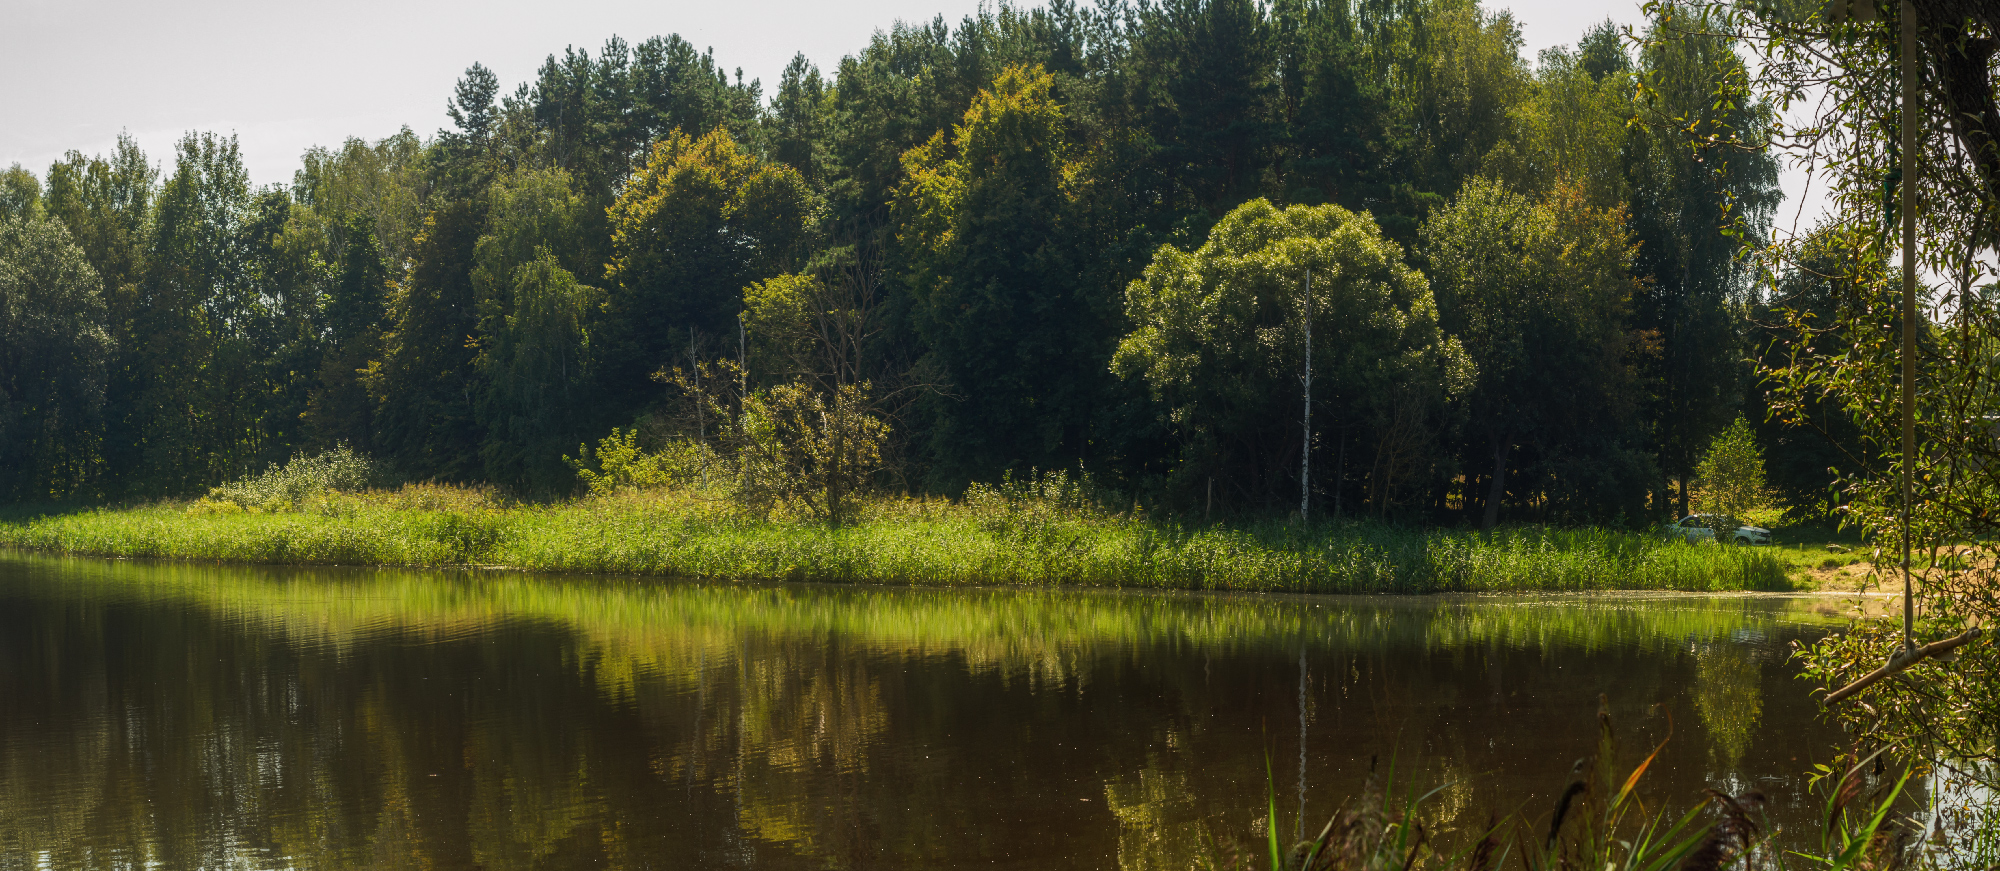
(1047, 532)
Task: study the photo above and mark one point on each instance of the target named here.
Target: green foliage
(621, 465)
(376, 186)
(1730, 477)
(106, 202)
(625, 468)
(20, 194)
(1841, 301)
(534, 366)
(1811, 440)
(220, 332)
(425, 384)
(796, 448)
(1572, 130)
(1038, 498)
(697, 223)
(1538, 290)
(780, 320)
(590, 115)
(787, 451)
(992, 281)
(1938, 710)
(1217, 337)
(1854, 833)
(53, 353)
(299, 482)
(529, 211)
(534, 327)
(1697, 201)
(1467, 76)
(356, 315)
(955, 216)
(1601, 821)
(797, 127)
(1213, 63)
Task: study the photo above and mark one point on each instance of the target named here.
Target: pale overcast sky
(286, 76)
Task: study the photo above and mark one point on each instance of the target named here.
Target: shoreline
(911, 543)
(8, 550)
(496, 569)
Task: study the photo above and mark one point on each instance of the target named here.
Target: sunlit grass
(911, 542)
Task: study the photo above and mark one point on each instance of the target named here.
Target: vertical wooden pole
(1912, 115)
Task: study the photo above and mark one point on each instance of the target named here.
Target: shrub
(624, 467)
(290, 486)
(1040, 499)
(784, 451)
(799, 451)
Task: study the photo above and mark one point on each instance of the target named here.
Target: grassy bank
(996, 539)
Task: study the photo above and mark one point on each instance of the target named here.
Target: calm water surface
(187, 716)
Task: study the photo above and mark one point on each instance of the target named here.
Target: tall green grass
(1599, 821)
(1011, 541)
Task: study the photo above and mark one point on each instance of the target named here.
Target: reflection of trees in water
(1160, 825)
(388, 719)
(1728, 696)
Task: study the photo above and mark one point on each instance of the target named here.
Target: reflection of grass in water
(923, 543)
(654, 622)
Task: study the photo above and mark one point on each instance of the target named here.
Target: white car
(1697, 528)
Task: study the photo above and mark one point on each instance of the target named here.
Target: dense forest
(1056, 238)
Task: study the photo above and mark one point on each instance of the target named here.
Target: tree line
(1040, 238)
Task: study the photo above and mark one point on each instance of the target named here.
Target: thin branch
(1903, 658)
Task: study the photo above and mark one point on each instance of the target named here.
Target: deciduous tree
(54, 351)
(1539, 290)
(1217, 335)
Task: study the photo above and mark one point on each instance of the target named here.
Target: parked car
(1697, 528)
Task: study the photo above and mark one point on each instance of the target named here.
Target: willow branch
(1903, 658)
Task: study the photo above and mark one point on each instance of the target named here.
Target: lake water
(193, 716)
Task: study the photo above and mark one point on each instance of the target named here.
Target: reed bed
(1001, 540)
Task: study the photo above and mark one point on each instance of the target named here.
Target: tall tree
(341, 410)
(1334, 108)
(534, 390)
(53, 354)
(189, 422)
(701, 221)
(107, 205)
(1692, 209)
(993, 285)
(1218, 336)
(1212, 98)
(20, 194)
(797, 125)
(378, 187)
(1538, 291)
(464, 160)
(282, 343)
(530, 333)
(1572, 130)
(425, 386)
(1810, 440)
